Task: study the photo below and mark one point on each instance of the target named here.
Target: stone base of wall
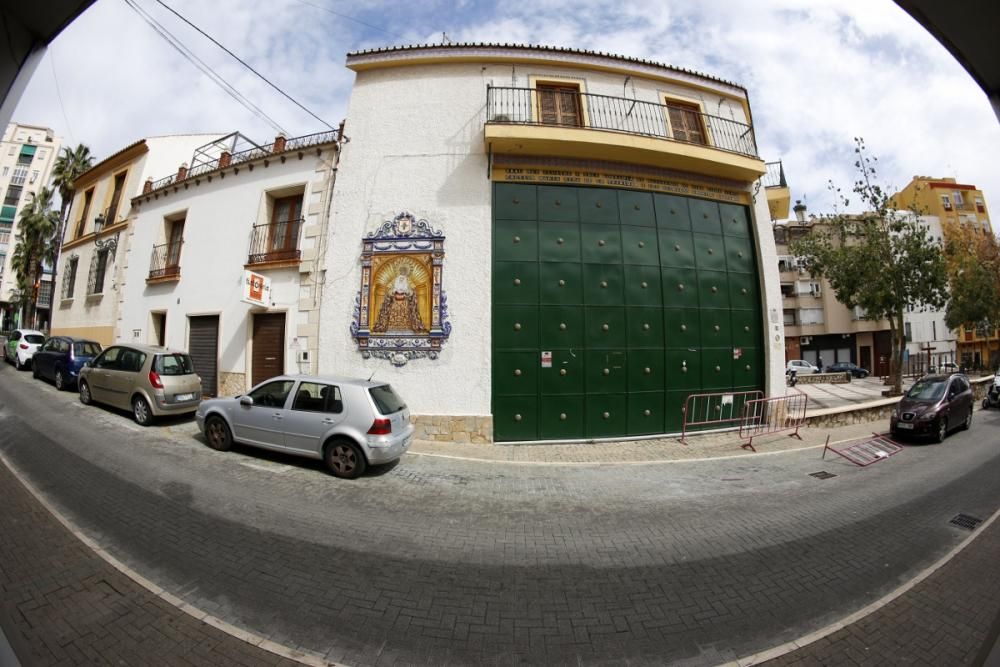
(823, 378)
(447, 428)
(232, 384)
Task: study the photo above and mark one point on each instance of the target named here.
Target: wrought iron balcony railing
(295, 143)
(520, 106)
(166, 260)
(275, 242)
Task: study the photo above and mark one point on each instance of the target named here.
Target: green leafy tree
(973, 261)
(67, 168)
(883, 260)
(35, 246)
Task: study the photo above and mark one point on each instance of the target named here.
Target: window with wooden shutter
(685, 123)
(559, 105)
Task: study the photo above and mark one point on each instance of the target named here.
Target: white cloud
(818, 73)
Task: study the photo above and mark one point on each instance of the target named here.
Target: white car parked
(800, 366)
(21, 346)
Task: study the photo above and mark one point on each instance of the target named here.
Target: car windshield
(86, 349)
(927, 390)
(386, 400)
(34, 338)
(174, 364)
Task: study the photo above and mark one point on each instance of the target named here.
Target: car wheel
(218, 435)
(968, 420)
(141, 412)
(34, 372)
(18, 364)
(60, 380)
(942, 430)
(85, 396)
(344, 459)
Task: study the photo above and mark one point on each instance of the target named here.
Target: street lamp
(111, 245)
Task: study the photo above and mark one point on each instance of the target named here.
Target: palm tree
(36, 245)
(67, 168)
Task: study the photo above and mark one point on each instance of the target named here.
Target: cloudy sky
(819, 72)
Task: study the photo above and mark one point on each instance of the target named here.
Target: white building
(88, 301)
(925, 328)
(241, 214)
(27, 155)
(537, 243)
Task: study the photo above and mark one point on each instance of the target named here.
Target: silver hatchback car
(150, 381)
(346, 422)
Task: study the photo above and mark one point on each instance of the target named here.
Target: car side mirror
(246, 401)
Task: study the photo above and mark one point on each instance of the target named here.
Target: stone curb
(805, 640)
(302, 657)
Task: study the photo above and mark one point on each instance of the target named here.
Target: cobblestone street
(440, 560)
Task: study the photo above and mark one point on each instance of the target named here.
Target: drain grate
(822, 474)
(966, 521)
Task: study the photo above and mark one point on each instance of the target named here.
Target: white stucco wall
(219, 217)
(417, 145)
(83, 314)
(771, 300)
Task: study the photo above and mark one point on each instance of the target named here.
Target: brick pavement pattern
(943, 620)
(64, 605)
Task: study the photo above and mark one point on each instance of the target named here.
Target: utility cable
(242, 62)
(201, 65)
(349, 18)
(62, 107)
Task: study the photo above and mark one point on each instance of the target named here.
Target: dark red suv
(934, 405)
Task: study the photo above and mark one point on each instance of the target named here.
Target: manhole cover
(966, 521)
(822, 474)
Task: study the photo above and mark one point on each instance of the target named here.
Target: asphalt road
(437, 561)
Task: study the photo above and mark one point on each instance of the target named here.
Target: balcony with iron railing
(621, 129)
(165, 262)
(275, 243)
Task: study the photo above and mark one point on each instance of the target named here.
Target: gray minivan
(346, 422)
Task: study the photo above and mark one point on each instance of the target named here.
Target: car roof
(332, 379)
(24, 332)
(940, 377)
(150, 349)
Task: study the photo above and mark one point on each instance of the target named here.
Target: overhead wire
(201, 65)
(349, 18)
(242, 62)
(62, 107)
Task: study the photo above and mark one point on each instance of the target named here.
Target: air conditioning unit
(805, 340)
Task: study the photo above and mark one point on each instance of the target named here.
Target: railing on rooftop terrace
(520, 106)
(296, 143)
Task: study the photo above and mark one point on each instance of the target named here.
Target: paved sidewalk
(64, 605)
(705, 446)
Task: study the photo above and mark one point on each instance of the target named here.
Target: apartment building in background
(27, 155)
(939, 201)
(817, 327)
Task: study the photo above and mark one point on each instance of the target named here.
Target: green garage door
(611, 306)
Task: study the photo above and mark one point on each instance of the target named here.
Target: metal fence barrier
(715, 409)
(865, 452)
(764, 416)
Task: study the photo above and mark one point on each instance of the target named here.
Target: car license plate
(904, 426)
(183, 397)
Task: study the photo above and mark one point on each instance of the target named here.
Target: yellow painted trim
(581, 84)
(666, 98)
(628, 148)
(89, 210)
(89, 236)
(105, 335)
(778, 201)
(109, 190)
(114, 164)
(540, 59)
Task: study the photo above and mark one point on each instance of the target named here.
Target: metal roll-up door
(203, 346)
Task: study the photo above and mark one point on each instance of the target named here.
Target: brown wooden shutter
(686, 124)
(547, 105)
(559, 105)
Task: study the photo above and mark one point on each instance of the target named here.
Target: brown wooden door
(285, 223)
(866, 358)
(268, 346)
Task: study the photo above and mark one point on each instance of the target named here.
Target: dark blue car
(61, 358)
